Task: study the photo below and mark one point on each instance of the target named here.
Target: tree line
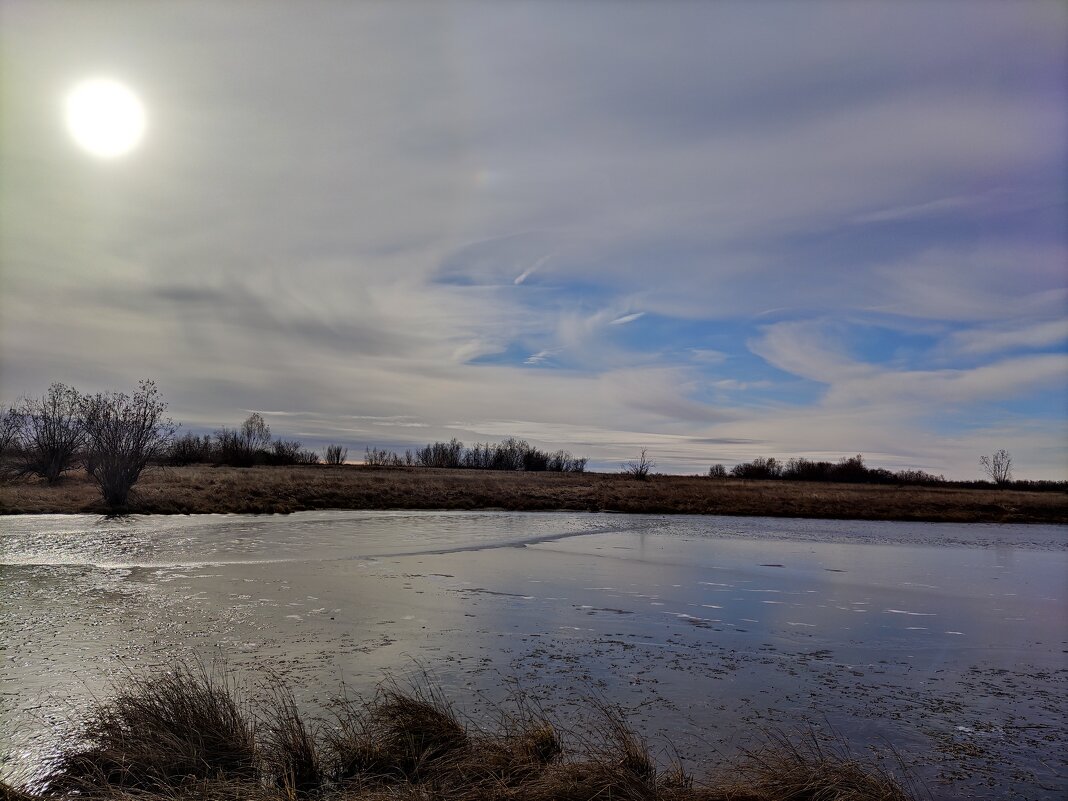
(509, 454)
(851, 470)
(247, 445)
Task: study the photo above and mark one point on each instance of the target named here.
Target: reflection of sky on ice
(875, 629)
(867, 596)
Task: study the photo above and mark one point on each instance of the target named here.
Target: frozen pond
(946, 642)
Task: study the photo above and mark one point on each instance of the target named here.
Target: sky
(714, 230)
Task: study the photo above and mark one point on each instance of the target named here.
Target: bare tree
(255, 434)
(10, 428)
(639, 469)
(51, 432)
(717, 471)
(10, 434)
(998, 466)
(123, 434)
(336, 454)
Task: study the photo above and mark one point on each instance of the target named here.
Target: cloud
(627, 318)
(927, 208)
(985, 340)
(540, 357)
(810, 351)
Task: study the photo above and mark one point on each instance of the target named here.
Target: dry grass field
(204, 489)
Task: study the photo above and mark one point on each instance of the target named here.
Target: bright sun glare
(105, 117)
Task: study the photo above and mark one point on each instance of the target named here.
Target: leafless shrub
(380, 457)
(717, 471)
(335, 454)
(441, 454)
(285, 451)
(920, 477)
(639, 468)
(998, 466)
(511, 453)
(759, 468)
(190, 449)
(289, 452)
(10, 428)
(255, 433)
(248, 445)
(51, 432)
(123, 434)
(11, 425)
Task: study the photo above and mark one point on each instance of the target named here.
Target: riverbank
(201, 489)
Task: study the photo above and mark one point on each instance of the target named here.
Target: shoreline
(204, 489)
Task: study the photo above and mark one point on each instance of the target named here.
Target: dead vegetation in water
(280, 489)
(188, 734)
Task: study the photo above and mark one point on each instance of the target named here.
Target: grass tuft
(187, 736)
(290, 749)
(161, 732)
(801, 769)
(407, 736)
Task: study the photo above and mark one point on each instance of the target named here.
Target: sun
(105, 117)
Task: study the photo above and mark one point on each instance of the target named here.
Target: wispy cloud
(540, 357)
(976, 341)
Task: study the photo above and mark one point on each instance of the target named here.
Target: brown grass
(204, 489)
(188, 735)
(160, 731)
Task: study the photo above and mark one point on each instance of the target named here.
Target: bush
(918, 477)
(759, 468)
(123, 434)
(10, 432)
(806, 470)
(639, 469)
(229, 449)
(441, 454)
(380, 457)
(288, 452)
(998, 466)
(255, 434)
(336, 454)
(191, 449)
(51, 433)
(508, 454)
(248, 445)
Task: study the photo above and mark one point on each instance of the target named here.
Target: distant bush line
(510, 454)
(249, 445)
(852, 470)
